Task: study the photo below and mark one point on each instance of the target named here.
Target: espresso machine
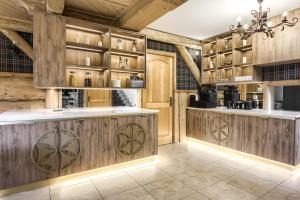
(231, 97)
(206, 97)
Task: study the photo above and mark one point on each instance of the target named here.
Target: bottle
(119, 44)
(72, 79)
(134, 43)
(88, 79)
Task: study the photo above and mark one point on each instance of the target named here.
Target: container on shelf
(88, 79)
(116, 83)
(72, 79)
(134, 83)
(87, 61)
(100, 80)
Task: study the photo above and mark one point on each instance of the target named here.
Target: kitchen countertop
(279, 114)
(39, 115)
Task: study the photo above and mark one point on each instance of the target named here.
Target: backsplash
(282, 72)
(185, 79)
(12, 59)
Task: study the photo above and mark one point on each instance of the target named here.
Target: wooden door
(98, 98)
(159, 93)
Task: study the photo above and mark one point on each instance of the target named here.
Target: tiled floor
(186, 171)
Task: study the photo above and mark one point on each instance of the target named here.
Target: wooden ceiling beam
(190, 62)
(146, 11)
(19, 42)
(32, 5)
(16, 25)
(55, 6)
(171, 38)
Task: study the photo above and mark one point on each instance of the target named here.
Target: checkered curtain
(282, 72)
(185, 79)
(12, 59)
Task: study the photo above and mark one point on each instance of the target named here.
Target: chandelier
(261, 23)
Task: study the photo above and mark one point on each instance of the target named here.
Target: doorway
(159, 95)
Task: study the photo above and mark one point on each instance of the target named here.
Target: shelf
(85, 47)
(126, 53)
(244, 65)
(225, 67)
(244, 48)
(210, 55)
(254, 92)
(210, 69)
(225, 52)
(87, 30)
(239, 82)
(130, 71)
(84, 67)
(125, 37)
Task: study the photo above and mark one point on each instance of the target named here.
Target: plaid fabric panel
(185, 79)
(282, 72)
(12, 59)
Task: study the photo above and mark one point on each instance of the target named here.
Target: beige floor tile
(37, 194)
(293, 183)
(219, 170)
(134, 194)
(271, 174)
(282, 193)
(84, 191)
(252, 184)
(196, 196)
(169, 188)
(198, 180)
(147, 175)
(69, 183)
(177, 168)
(225, 191)
(238, 163)
(115, 184)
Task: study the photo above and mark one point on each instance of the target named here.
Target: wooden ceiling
(108, 8)
(128, 14)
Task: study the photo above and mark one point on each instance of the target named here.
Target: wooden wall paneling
(250, 142)
(96, 98)
(16, 144)
(288, 41)
(264, 48)
(87, 132)
(49, 50)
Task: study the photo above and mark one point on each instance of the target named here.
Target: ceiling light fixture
(261, 23)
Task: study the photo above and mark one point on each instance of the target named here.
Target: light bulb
(269, 24)
(284, 14)
(238, 19)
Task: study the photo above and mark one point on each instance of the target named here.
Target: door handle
(171, 101)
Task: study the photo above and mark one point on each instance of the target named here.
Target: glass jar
(100, 80)
(72, 78)
(87, 79)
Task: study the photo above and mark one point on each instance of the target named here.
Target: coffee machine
(231, 96)
(206, 98)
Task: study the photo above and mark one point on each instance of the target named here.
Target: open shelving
(228, 59)
(96, 55)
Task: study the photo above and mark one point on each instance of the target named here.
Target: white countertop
(279, 114)
(38, 115)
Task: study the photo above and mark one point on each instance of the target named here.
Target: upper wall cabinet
(48, 50)
(284, 47)
(71, 53)
(288, 41)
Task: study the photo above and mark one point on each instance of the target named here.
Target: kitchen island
(274, 135)
(37, 145)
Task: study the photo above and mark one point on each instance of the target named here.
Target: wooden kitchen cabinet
(44, 150)
(288, 40)
(283, 48)
(264, 48)
(271, 138)
(49, 42)
(16, 144)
